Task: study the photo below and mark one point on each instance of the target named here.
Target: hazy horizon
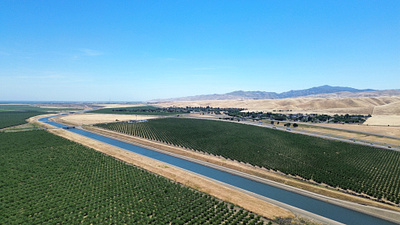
(150, 100)
(138, 51)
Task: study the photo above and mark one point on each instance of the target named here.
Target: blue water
(309, 204)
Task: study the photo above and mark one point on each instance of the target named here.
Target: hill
(363, 105)
(320, 92)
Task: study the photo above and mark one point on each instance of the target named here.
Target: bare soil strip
(350, 134)
(380, 130)
(93, 118)
(353, 132)
(119, 105)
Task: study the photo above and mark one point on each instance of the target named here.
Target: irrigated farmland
(13, 115)
(10, 118)
(371, 171)
(141, 110)
(46, 179)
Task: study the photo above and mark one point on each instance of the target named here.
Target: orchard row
(371, 171)
(47, 179)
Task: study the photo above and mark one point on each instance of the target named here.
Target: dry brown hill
(346, 94)
(360, 105)
(385, 110)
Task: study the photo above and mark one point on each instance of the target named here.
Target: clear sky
(142, 50)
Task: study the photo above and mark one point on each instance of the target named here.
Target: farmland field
(32, 108)
(13, 118)
(13, 115)
(371, 171)
(139, 110)
(47, 179)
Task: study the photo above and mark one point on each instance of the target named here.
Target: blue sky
(142, 50)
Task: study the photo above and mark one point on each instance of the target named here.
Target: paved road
(328, 136)
(347, 130)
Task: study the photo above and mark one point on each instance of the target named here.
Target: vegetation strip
(13, 115)
(10, 118)
(58, 181)
(34, 108)
(366, 170)
(141, 110)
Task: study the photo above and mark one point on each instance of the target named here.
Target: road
(329, 136)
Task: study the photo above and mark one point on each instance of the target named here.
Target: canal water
(319, 207)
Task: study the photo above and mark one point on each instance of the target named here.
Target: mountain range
(325, 91)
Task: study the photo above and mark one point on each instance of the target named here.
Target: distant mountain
(346, 94)
(325, 91)
(254, 94)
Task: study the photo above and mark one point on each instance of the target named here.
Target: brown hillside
(359, 105)
(392, 108)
